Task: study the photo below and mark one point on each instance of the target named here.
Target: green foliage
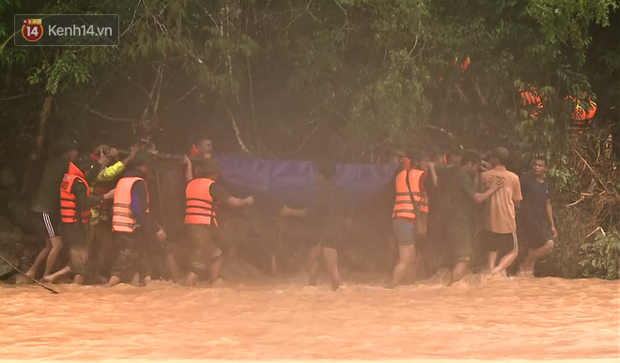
(601, 256)
(67, 69)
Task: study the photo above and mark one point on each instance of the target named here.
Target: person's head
(470, 162)
(204, 147)
(499, 156)
(539, 166)
(421, 159)
(584, 94)
(208, 168)
(68, 147)
(396, 156)
(436, 157)
(143, 160)
(85, 163)
(326, 169)
(454, 157)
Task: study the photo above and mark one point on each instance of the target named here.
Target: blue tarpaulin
(286, 181)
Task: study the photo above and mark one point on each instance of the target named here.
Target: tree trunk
(38, 147)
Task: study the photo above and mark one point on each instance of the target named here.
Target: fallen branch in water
(31, 278)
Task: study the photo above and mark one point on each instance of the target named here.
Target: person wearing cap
(203, 196)
(499, 235)
(132, 224)
(75, 214)
(46, 205)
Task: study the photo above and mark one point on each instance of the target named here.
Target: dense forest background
(298, 78)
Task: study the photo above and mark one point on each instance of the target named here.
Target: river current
(516, 318)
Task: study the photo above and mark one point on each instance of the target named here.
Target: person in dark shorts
(500, 226)
(75, 204)
(535, 211)
(203, 197)
(458, 223)
(330, 219)
(46, 206)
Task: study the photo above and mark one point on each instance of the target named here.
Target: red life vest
(123, 220)
(199, 204)
(403, 205)
(68, 207)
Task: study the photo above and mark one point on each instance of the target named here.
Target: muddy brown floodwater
(520, 318)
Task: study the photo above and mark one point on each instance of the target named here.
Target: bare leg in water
(331, 260)
(51, 258)
(392, 257)
(491, 261)
(215, 268)
(136, 279)
(407, 255)
(114, 280)
(506, 261)
(534, 255)
(40, 258)
(459, 271)
(313, 264)
(58, 274)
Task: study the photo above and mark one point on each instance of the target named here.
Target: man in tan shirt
(499, 235)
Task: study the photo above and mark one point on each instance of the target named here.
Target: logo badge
(32, 29)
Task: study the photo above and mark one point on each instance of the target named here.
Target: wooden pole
(31, 278)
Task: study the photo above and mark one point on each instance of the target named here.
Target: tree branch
(235, 127)
(109, 118)
(180, 99)
(14, 97)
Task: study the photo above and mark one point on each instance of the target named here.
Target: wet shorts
(536, 234)
(202, 249)
(131, 258)
(499, 242)
(46, 225)
(404, 231)
(75, 241)
(459, 237)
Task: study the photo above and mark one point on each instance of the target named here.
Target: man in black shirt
(330, 218)
(535, 208)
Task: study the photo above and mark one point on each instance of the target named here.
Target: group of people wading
(100, 204)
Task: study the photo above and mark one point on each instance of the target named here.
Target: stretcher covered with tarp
(287, 181)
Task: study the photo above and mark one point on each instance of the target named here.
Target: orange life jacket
(532, 98)
(464, 64)
(123, 220)
(199, 204)
(68, 207)
(582, 118)
(403, 205)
